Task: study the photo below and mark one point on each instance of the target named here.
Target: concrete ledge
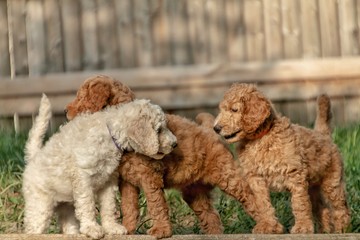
(348, 236)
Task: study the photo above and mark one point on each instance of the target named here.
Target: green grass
(234, 219)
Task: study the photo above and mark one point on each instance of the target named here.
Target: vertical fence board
(217, 30)
(272, 29)
(347, 22)
(329, 30)
(178, 32)
(297, 111)
(357, 20)
(125, 32)
(36, 42)
(255, 47)
(197, 31)
(143, 40)
(338, 110)
(89, 27)
(4, 40)
(17, 36)
(291, 29)
(54, 51)
(235, 30)
(310, 29)
(107, 34)
(70, 11)
(352, 110)
(160, 33)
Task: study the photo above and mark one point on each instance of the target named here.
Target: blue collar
(114, 139)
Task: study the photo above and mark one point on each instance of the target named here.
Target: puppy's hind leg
(129, 205)
(198, 198)
(321, 211)
(152, 184)
(39, 209)
(333, 189)
(84, 203)
(107, 199)
(301, 205)
(67, 220)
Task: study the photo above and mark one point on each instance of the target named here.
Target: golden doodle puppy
(276, 155)
(199, 163)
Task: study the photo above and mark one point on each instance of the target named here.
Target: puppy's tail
(324, 115)
(205, 119)
(38, 130)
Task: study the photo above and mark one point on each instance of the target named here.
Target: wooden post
(107, 34)
(54, 50)
(4, 41)
(35, 33)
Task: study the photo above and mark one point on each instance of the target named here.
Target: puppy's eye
(103, 106)
(158, 130)
(234, 110)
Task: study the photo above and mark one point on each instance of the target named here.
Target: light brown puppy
(200, 162)
(277, 155)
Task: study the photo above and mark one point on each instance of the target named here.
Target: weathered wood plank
(291, 29)
(349, 236)
(310, 29)
(215, 11)
(54, 47)
(255, 45)
(198, 39)
(17, 37)
(89, 31)
(178, 33)
(347, 22)
(36, 42)
(4, 41)
(143, 40)
(107, 36)
(329, 28)
(70, 11)
(188, 76)
(160, 33)
(126, 33)
(235, 30)
(272, 30)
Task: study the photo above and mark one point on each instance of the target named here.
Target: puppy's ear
(257, 109)
(143, 137)
(98, 95)
(120, 93)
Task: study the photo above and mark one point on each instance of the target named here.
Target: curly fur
(277, 155)
(79, 163)
(200, 162)
(99, 92)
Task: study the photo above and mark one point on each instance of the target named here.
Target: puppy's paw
(160, 231)
(95, 231)
(302, 228)
(115, 229)
(272, 227)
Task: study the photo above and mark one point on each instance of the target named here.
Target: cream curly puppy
(277, 155)
(78, 165)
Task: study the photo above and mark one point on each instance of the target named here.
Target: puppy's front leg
(107, 199)
(301, 206)
(259, 197)
(84, 202)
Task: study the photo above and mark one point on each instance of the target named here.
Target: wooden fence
(75, 35)
(182, 54)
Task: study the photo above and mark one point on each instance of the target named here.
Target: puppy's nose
(174, 145)
(217, 128)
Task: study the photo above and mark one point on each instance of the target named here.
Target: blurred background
(181, 54)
